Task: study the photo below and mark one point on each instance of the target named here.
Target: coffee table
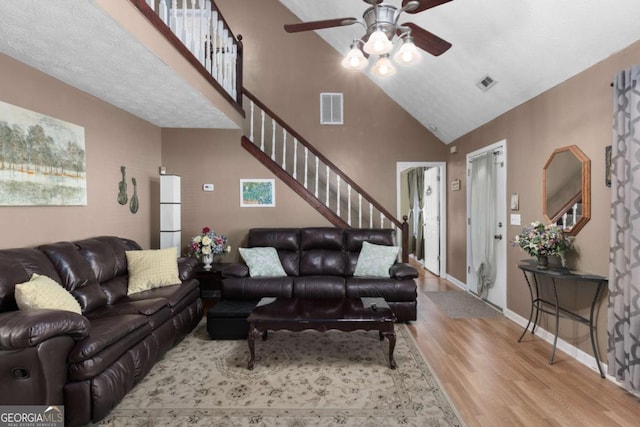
(299, 314)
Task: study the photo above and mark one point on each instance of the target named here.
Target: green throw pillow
(375, 260)
(262, 262)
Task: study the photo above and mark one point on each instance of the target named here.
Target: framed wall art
(257, 193)
(42, 160)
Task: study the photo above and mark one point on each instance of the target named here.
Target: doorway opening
(424, 203)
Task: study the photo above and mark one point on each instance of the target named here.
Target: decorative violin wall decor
(123, 198)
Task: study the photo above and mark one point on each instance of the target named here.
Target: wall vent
(331, 112)
(486, 83)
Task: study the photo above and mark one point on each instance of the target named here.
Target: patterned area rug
(300, 379)
(461, 305)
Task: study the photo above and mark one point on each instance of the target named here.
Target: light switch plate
(515, 219)
(207, 187)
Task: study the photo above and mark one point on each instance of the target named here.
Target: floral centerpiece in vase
(542, 241)
(208, 244)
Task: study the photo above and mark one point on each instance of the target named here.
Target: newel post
(405, 239)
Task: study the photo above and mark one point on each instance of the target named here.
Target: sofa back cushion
(106, 256)
(17, 266)
(322, 252)
(356, 236)
(284, 240)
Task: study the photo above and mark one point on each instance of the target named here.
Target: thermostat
(207, 187)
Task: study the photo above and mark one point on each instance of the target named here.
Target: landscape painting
(42, 160)
(257, 193)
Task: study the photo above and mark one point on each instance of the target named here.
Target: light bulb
(378, 43)
(354, 60)
(384, 67)
(408, 53)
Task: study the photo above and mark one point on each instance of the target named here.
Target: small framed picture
(257, 193)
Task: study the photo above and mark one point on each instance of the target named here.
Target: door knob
(498, 237)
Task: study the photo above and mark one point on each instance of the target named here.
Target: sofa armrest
(187, 268)
(235, 270)
(28, 328)
(403, 271)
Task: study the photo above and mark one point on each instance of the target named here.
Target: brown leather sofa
(87, 362)
(320, 263)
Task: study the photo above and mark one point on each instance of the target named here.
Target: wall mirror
(566, 189)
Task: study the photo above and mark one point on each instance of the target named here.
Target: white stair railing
(328, 185)
(201, 28)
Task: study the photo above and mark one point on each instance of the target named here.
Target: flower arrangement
(208, 243)
(539, 240)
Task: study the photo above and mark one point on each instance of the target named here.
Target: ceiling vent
(486, 83)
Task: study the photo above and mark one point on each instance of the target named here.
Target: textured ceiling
(527, 46)
(79, 44)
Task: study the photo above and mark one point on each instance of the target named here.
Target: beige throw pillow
(44, 292)
(149, 269)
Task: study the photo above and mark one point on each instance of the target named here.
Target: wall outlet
(207, 187)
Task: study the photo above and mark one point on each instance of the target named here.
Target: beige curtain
(623, 353)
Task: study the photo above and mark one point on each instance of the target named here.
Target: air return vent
(486, 83)
(331, 109)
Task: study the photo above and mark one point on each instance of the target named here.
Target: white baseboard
(456, 282)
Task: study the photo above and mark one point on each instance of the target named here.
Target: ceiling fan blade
(427, 41)
(318, 25)
(424, 4)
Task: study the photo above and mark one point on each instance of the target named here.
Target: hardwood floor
(495, 381)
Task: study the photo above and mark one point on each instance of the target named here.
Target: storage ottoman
(227, 319)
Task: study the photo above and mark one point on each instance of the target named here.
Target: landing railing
(343, 202)
(198, 30)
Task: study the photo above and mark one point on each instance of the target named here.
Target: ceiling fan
(381, 22)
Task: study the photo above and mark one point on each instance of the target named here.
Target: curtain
(420, 215)
(483, 220)
(623, 313)
(412, 219)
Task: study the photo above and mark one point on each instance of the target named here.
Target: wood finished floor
(495, 381)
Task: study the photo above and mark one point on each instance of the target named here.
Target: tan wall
(289, 71)
(207, 156)
(578, 112)
(112, 138)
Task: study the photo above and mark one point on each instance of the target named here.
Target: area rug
(300, 379)
(460, 305)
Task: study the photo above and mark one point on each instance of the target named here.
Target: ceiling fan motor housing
(381, 17)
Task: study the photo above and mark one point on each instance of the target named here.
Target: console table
(539, 304)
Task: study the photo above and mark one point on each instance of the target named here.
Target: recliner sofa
(87, 362)
(320, 263)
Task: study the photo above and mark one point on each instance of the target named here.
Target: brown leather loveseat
(320, 263)
(87, 362)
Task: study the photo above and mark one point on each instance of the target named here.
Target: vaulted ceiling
(527, 46)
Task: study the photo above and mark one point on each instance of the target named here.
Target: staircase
(197, 29)
(311, 175)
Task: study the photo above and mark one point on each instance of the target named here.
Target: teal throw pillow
(375, 260)
(262, 262)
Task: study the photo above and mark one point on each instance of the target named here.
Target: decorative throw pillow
(153, 268)
(44, 292)
(376, 260)
(262, 262)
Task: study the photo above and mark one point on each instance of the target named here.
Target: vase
(207, 260)
(543, 262)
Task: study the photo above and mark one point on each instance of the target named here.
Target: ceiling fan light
(384, 67)
(378, 43)
(407, 54)
(355, 60)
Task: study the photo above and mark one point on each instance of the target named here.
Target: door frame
(502, 144)
(403, 166)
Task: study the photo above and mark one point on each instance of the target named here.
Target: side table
(210, 280)
(553, 307)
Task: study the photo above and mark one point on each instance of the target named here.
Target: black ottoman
(227, 320)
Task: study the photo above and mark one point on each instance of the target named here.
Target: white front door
(431, 215)
(497, 294)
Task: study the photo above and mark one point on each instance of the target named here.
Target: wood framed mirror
(566, 189)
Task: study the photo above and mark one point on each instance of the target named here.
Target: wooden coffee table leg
(391, 336)
(253, 334)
